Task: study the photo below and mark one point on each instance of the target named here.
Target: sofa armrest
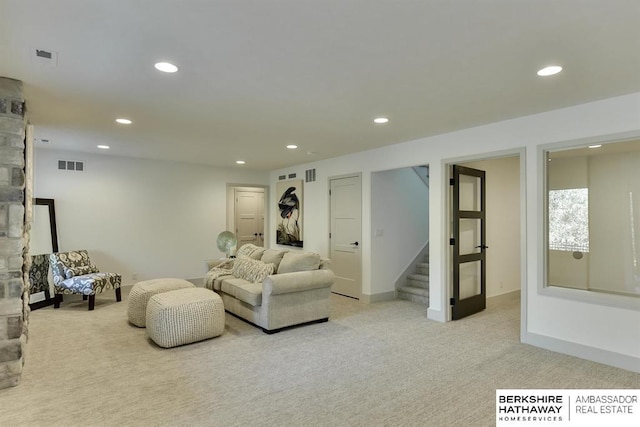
(297, 281)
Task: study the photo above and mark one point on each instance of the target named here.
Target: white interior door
(249, 217)
(345, 235)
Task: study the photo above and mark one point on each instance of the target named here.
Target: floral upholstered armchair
(73, 273)
(38, 275)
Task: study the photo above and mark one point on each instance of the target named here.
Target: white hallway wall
(154, 218)
(400, 209)
(559, 323)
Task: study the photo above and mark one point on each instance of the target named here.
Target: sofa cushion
(245, 291)
(273, 256)
(252, 270)
(299, 261)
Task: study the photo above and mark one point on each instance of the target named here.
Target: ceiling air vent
(70, 165)
(310, 175)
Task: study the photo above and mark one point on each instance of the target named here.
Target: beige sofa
(273, 288)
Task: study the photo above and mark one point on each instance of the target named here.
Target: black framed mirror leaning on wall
(43, 241)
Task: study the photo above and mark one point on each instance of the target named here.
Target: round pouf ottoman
(143, 291)
(184, 316)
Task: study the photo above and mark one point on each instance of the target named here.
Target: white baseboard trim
(500, 298)
(599, 355)
(437, 315)
(382, 296)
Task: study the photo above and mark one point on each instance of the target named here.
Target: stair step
(418, 281)
(422, 268)
(414, 290)
(414, 294)
(422, 271)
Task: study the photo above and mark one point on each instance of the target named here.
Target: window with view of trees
(569, 220)
(592, 219)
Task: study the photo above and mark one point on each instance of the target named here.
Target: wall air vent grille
(281, 177)
(44, 57)
(310, 175)
(70, 165)
(43, 54)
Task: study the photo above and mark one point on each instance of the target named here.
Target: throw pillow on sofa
(273, 256)
(299, 261)
(257, 254)
(247, 250)
(252, 270)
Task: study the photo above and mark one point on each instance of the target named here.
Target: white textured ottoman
(143, 291)
(184, 316)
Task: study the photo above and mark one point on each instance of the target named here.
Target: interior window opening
(592, 220)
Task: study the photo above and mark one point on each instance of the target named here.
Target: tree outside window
(569, 220)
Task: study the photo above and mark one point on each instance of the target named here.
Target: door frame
(231, 204)
(447, 258)
(362, 244)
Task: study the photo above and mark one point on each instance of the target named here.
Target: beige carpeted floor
(382, 364)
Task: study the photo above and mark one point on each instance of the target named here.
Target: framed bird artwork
(289, 231)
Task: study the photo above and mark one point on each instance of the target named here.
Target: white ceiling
(256, 75)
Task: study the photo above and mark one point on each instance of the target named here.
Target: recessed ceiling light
(381, 120)
(595, 146)
(292, 146)
(166, 67)
(103, 147)
(549, 71)
(240, 162)
(124, 121)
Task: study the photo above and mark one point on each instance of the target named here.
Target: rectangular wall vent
(44, 57)
(292, 175)
(70, 165)
(281, 177)
(310, 175)
(43, 54)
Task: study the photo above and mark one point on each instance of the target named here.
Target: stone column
(14, 262)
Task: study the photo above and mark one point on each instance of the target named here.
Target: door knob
(255, 234)
(355, 243)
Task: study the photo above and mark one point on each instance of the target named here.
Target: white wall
(614, 222)
(502, 222)
(555, 322)
(153, 218)
(400, 210)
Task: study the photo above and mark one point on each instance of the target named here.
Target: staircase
(417, 287)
